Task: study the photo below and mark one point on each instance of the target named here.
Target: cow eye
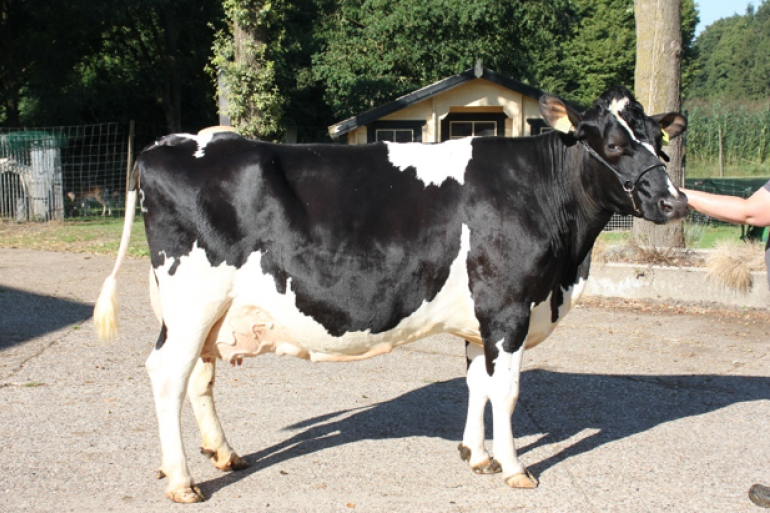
(613, 147)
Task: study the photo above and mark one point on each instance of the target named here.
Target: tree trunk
(247, 44)
(657, 84)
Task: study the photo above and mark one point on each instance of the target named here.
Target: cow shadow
(26, 315)
(554, 405)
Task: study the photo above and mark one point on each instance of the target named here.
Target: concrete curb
(688, 284)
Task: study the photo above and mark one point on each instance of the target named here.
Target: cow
(339, 253)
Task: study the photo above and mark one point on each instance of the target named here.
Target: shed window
(460, 129)
(395, 135)
(457, 125)
(395, 131)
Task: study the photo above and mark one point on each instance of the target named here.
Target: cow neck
(587, 217)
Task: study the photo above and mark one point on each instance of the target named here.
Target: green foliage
(376, 50)
(600, 52)
(745, 137)
(734, 57)
(85, 61)
(41, 41)
(690, 61)
(254, 104)
(275, 89)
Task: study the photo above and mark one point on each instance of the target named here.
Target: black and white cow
(338, 253)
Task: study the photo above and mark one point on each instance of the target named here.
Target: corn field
(742, 134)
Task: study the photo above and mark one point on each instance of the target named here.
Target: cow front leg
(472, 448)
(200, 390)
(170, 366)
(503, 394)
(502, 390)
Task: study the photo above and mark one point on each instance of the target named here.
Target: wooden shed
(476, 102)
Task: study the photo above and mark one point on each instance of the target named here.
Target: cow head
(623, 145)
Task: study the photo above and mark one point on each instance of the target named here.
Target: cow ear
(558, 115)
(673, 123)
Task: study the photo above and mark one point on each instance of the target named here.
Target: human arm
(754, 210)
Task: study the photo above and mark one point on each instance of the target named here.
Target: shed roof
(479, 71)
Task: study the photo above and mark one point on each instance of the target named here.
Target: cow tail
(106, 308)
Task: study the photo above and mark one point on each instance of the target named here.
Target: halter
(628, 185)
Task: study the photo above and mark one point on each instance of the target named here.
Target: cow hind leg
(503, 394)
(170, 365)
(200, 390)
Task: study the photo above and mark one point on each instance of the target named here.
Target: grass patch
(96, 235)
(699, 237)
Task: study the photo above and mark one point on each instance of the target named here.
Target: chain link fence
(51, 173)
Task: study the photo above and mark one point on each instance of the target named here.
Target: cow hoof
(491, 466)
(488, 466)
(160, 474)
(186, 495)
(522, 480)
(234, 462)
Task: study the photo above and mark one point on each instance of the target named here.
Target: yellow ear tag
(666, 139)
(563, 125)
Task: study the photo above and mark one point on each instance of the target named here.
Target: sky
(713, 10)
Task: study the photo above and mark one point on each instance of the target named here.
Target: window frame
(473, 129)
(416, 126)
(498, 117)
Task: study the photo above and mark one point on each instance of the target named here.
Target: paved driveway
(640, 409)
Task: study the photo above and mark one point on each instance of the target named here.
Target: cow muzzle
(673, 208)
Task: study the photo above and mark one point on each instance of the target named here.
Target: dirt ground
(628, 407)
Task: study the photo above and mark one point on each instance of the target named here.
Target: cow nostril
(666, 206)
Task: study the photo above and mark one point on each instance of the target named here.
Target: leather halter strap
(628, 185)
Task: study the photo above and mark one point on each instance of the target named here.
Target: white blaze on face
(201, 139)
(671, 189)
(434, 163)
(616, 107)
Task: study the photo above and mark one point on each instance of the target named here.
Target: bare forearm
(732, 209)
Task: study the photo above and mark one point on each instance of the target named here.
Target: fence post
(130, 155)
(721, 161)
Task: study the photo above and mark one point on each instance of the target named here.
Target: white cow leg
(503, 393)
(170, 368)
(200, 390)
(472, 447)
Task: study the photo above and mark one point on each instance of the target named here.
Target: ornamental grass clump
(732, 262)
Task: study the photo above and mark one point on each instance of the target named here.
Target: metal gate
(31, 176)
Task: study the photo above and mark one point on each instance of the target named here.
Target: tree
(41, 42)
(168, 43)
(243, 66)
(734, 57)
(376, 50)
(690, 61)
(600, 52)
(657, 83)
(84, 61)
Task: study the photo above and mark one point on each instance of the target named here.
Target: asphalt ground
(626, 408)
